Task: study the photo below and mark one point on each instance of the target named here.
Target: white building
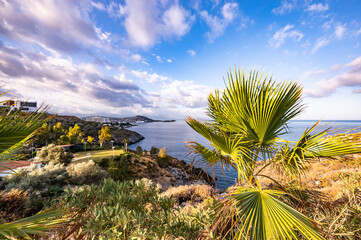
(97, 119)
(25, 106)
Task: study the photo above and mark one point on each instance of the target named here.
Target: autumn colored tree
(57, 131)
(104, 135)
(74, 134)
(90, 139)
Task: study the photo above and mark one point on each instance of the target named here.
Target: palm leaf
(311, 145)
(17, 127)
(36, 224)
(262, 216)
(258, 107)
(234, 151)
(208, 156)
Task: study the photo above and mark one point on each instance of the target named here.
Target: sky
(162, 58)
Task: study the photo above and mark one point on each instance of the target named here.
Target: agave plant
(248, 120)
(16, 128)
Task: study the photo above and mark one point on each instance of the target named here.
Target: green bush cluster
(154, 150)
(32, 179)
(104, 162)
(52, 177)
(139, 150)
(85, 173)
(119, 168)
(54, 154)
(133, 210)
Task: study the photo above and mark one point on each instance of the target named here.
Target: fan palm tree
(16, 128)
(248, 120)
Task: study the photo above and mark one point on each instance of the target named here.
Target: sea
(174, 135)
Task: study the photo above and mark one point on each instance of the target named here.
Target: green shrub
(163, 162)
(154, 150)
(54, 154)
(119, 169)
(85, 173)
(133, 210)
(104, 162)
(139, 150)
(31, 179)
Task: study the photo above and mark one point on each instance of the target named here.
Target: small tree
(104, 135)
(125, 142)
(42, 135)
(139, 150)
(54, 154)
(154, 150)
(162, 153)
(57, 131)
(90, 139)
(74, 134)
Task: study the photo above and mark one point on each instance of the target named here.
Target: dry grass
(13, 205)
(323, 175)
(190, 194)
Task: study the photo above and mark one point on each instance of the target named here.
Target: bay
(173, 135)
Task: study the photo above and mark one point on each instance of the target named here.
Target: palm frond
(234, 151)
(293, 158)
(36, 224)
(262, 216)
(258, 107)
(208, 156)
(17, 127)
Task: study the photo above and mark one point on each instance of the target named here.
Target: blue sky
(162, 58)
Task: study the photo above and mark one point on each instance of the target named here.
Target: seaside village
(64, 177)
(180, 120)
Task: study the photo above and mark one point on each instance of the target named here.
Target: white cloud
(286, 7)
(319, 7)
(283, 34)
(116, 10)
(149, 77)
(145, 26)
(136, 57)
(351, 77)
(185, 93)
(340, 31)
(229, 11)
(98, 5)
(219, 24)
(191, 52)
(175, 20)
(81, 89)
(169, 60)
(68, 87)
(38, 22)
(321, 42)
(158, 58)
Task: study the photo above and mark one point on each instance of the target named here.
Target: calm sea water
(173, 136)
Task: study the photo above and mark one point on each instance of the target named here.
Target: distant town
(32, 106)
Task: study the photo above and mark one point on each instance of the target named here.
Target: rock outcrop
(168, 171)
(118, 134)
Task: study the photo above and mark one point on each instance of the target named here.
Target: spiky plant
(16, 128)
(248, 120)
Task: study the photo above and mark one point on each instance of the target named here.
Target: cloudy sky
(162, 58)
